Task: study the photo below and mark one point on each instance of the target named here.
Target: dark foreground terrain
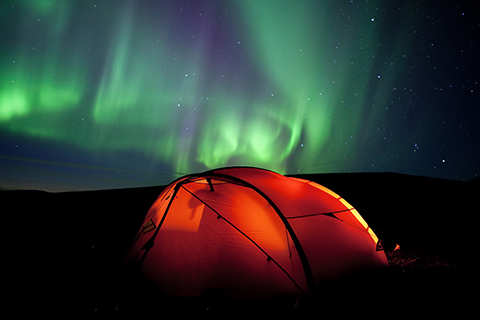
(62, 253)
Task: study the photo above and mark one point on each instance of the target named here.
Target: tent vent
(149, 226)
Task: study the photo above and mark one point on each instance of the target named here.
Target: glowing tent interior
(250, 233)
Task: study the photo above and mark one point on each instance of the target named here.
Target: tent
(250, 233)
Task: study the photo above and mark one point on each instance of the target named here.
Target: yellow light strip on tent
(360, 219)
(373, 235)
(324, 189)
(356, 215)
(300, 180)
(349, 207)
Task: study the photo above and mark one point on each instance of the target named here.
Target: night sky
(112, 94)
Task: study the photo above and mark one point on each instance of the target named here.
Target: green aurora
(292, 86)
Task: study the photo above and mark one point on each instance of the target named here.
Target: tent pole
(303, 257)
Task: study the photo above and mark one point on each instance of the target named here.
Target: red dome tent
(250, 233)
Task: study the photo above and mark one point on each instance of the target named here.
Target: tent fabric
(250, 233)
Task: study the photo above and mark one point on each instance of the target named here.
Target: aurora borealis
(105, 94)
